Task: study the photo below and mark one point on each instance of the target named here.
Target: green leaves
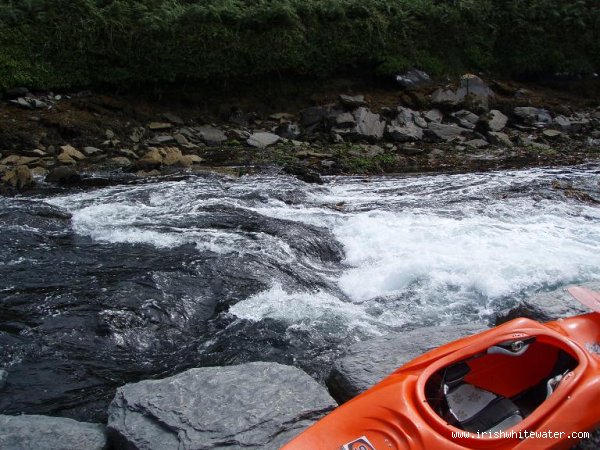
(64, 44)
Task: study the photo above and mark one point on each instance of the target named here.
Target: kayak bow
(521, 385)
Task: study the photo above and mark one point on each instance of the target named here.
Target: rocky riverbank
(255, 405)
(418, 126)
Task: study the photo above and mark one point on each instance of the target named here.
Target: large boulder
(367, 363)
(474, 93)
(369, 126)
(493, 121)
(252, 406)
(547, 306)
(50, 433)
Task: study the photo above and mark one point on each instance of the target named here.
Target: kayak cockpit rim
(540, 334)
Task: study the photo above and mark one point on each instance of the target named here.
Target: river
(145, 279)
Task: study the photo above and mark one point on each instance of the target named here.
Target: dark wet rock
(19, 178)
(413, 79)
(547, 306)
(533, 116)
(3, 378)
(312, 116)
(352, 102)
(369, 126)
(50, 433)
(445, 97)
(367, 363)
(444, 132)
(493, 121)
(211, 136)
(474, 93)
(173, 118)
(303, 173)
(592, 443)
(262, 139)
(288, 131)
(255, 406)
(15, 93)
(64, 176)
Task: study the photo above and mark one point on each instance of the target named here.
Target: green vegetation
(62, 44)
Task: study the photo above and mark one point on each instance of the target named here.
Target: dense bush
(68, 43)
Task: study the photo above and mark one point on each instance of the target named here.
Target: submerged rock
(367, 363)
(50, 433)
(474, 92)
(253, 406)
(63, 175)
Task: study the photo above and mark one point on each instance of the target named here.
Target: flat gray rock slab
(367, 363)
(263, 139)
(547, 306)
(50, 433)
(251, 406)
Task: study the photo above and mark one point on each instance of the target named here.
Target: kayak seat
(478, 410)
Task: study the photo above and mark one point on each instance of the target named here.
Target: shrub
(62, 44)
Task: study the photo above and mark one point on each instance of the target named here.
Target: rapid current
(146, 279)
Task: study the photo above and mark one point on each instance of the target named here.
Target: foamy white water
(417, 250)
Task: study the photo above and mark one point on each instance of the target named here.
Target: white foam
(430, 249)
(313, 309)
(493, 253)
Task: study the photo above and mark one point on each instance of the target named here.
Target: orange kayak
(521, 385)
